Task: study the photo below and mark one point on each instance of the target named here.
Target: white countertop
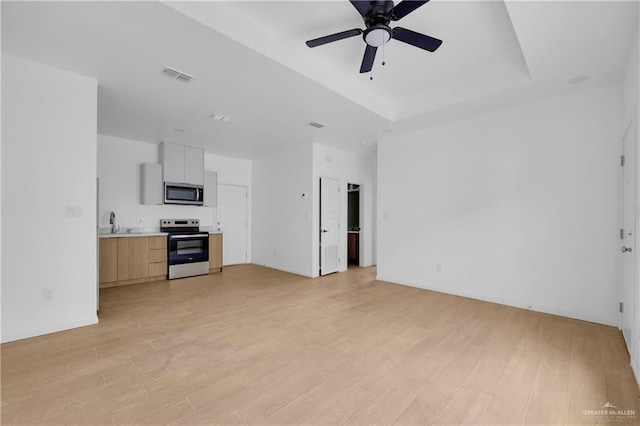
(134, 234)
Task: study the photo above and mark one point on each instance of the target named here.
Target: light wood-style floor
(256, 346)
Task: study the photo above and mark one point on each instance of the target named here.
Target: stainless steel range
(187, 248)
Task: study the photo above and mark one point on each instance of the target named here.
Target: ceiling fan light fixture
(377, 35)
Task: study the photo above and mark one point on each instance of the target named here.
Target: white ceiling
(250, 62)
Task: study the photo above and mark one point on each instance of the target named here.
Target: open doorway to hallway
(354, 220)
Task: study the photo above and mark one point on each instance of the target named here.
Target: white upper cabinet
(151, 189)
(210, 189)
(193, 165)
(172, 159)
(182, 164)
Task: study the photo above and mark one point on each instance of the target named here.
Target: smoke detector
(177, 75)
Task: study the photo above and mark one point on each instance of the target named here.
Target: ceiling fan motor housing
(377, 35)
(377, 23)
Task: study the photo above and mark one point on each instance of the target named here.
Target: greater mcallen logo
(610, 412)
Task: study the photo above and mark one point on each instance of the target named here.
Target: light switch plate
(74, 211)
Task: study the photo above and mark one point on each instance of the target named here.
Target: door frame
(360, 218)
(632, 304)
(339, 226)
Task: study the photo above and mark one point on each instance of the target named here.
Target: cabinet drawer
(158, 243)
(157, 255)
(156, 269)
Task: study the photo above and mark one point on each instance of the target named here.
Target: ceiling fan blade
(367, 60)
(334, 37)
(404, 8)
(363, 7)
(416, 39)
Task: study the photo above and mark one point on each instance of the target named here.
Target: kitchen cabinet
(210, 189)
(108, 260)
(353, 248)
(157, 256)
(182, 164)
(151, 185)
(193, 165)
(172, 159)
(133, 258)
(215, 252)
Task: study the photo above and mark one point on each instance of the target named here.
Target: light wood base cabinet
(135, 260)
(132, 260)
(108, 260)
(215, 252)
(157, 256)
(353, 248)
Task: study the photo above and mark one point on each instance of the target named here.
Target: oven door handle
(178, 237)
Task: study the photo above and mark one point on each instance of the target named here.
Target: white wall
(233, 171)
(0, 188)
(282, 236)
(48, 163)
(519, 207)
(119, 172)
(346, 168)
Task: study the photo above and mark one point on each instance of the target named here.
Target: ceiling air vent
(220, 117)
(316, 124)
(178, 75)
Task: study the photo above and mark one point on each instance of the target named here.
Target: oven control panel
(173, 223)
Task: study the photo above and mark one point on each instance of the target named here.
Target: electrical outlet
(140, 220)
(438, 267)
(48, 294)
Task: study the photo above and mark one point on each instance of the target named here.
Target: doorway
(232, 221)
(354, 220)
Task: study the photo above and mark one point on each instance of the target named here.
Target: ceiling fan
(377, 15)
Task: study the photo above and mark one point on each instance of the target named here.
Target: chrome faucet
(112, 221)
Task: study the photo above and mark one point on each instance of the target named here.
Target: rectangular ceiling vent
(178, 75)
(316, 125)
(220, 117)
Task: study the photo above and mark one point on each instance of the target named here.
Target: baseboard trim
(541, 309)
(25, 334)
(634, 368)
(290, 271)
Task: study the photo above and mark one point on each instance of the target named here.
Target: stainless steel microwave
(183, 193)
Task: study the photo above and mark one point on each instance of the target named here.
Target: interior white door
(232, 221)
(629, 286)
(329, 200)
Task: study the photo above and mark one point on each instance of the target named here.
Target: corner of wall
(49, 122)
